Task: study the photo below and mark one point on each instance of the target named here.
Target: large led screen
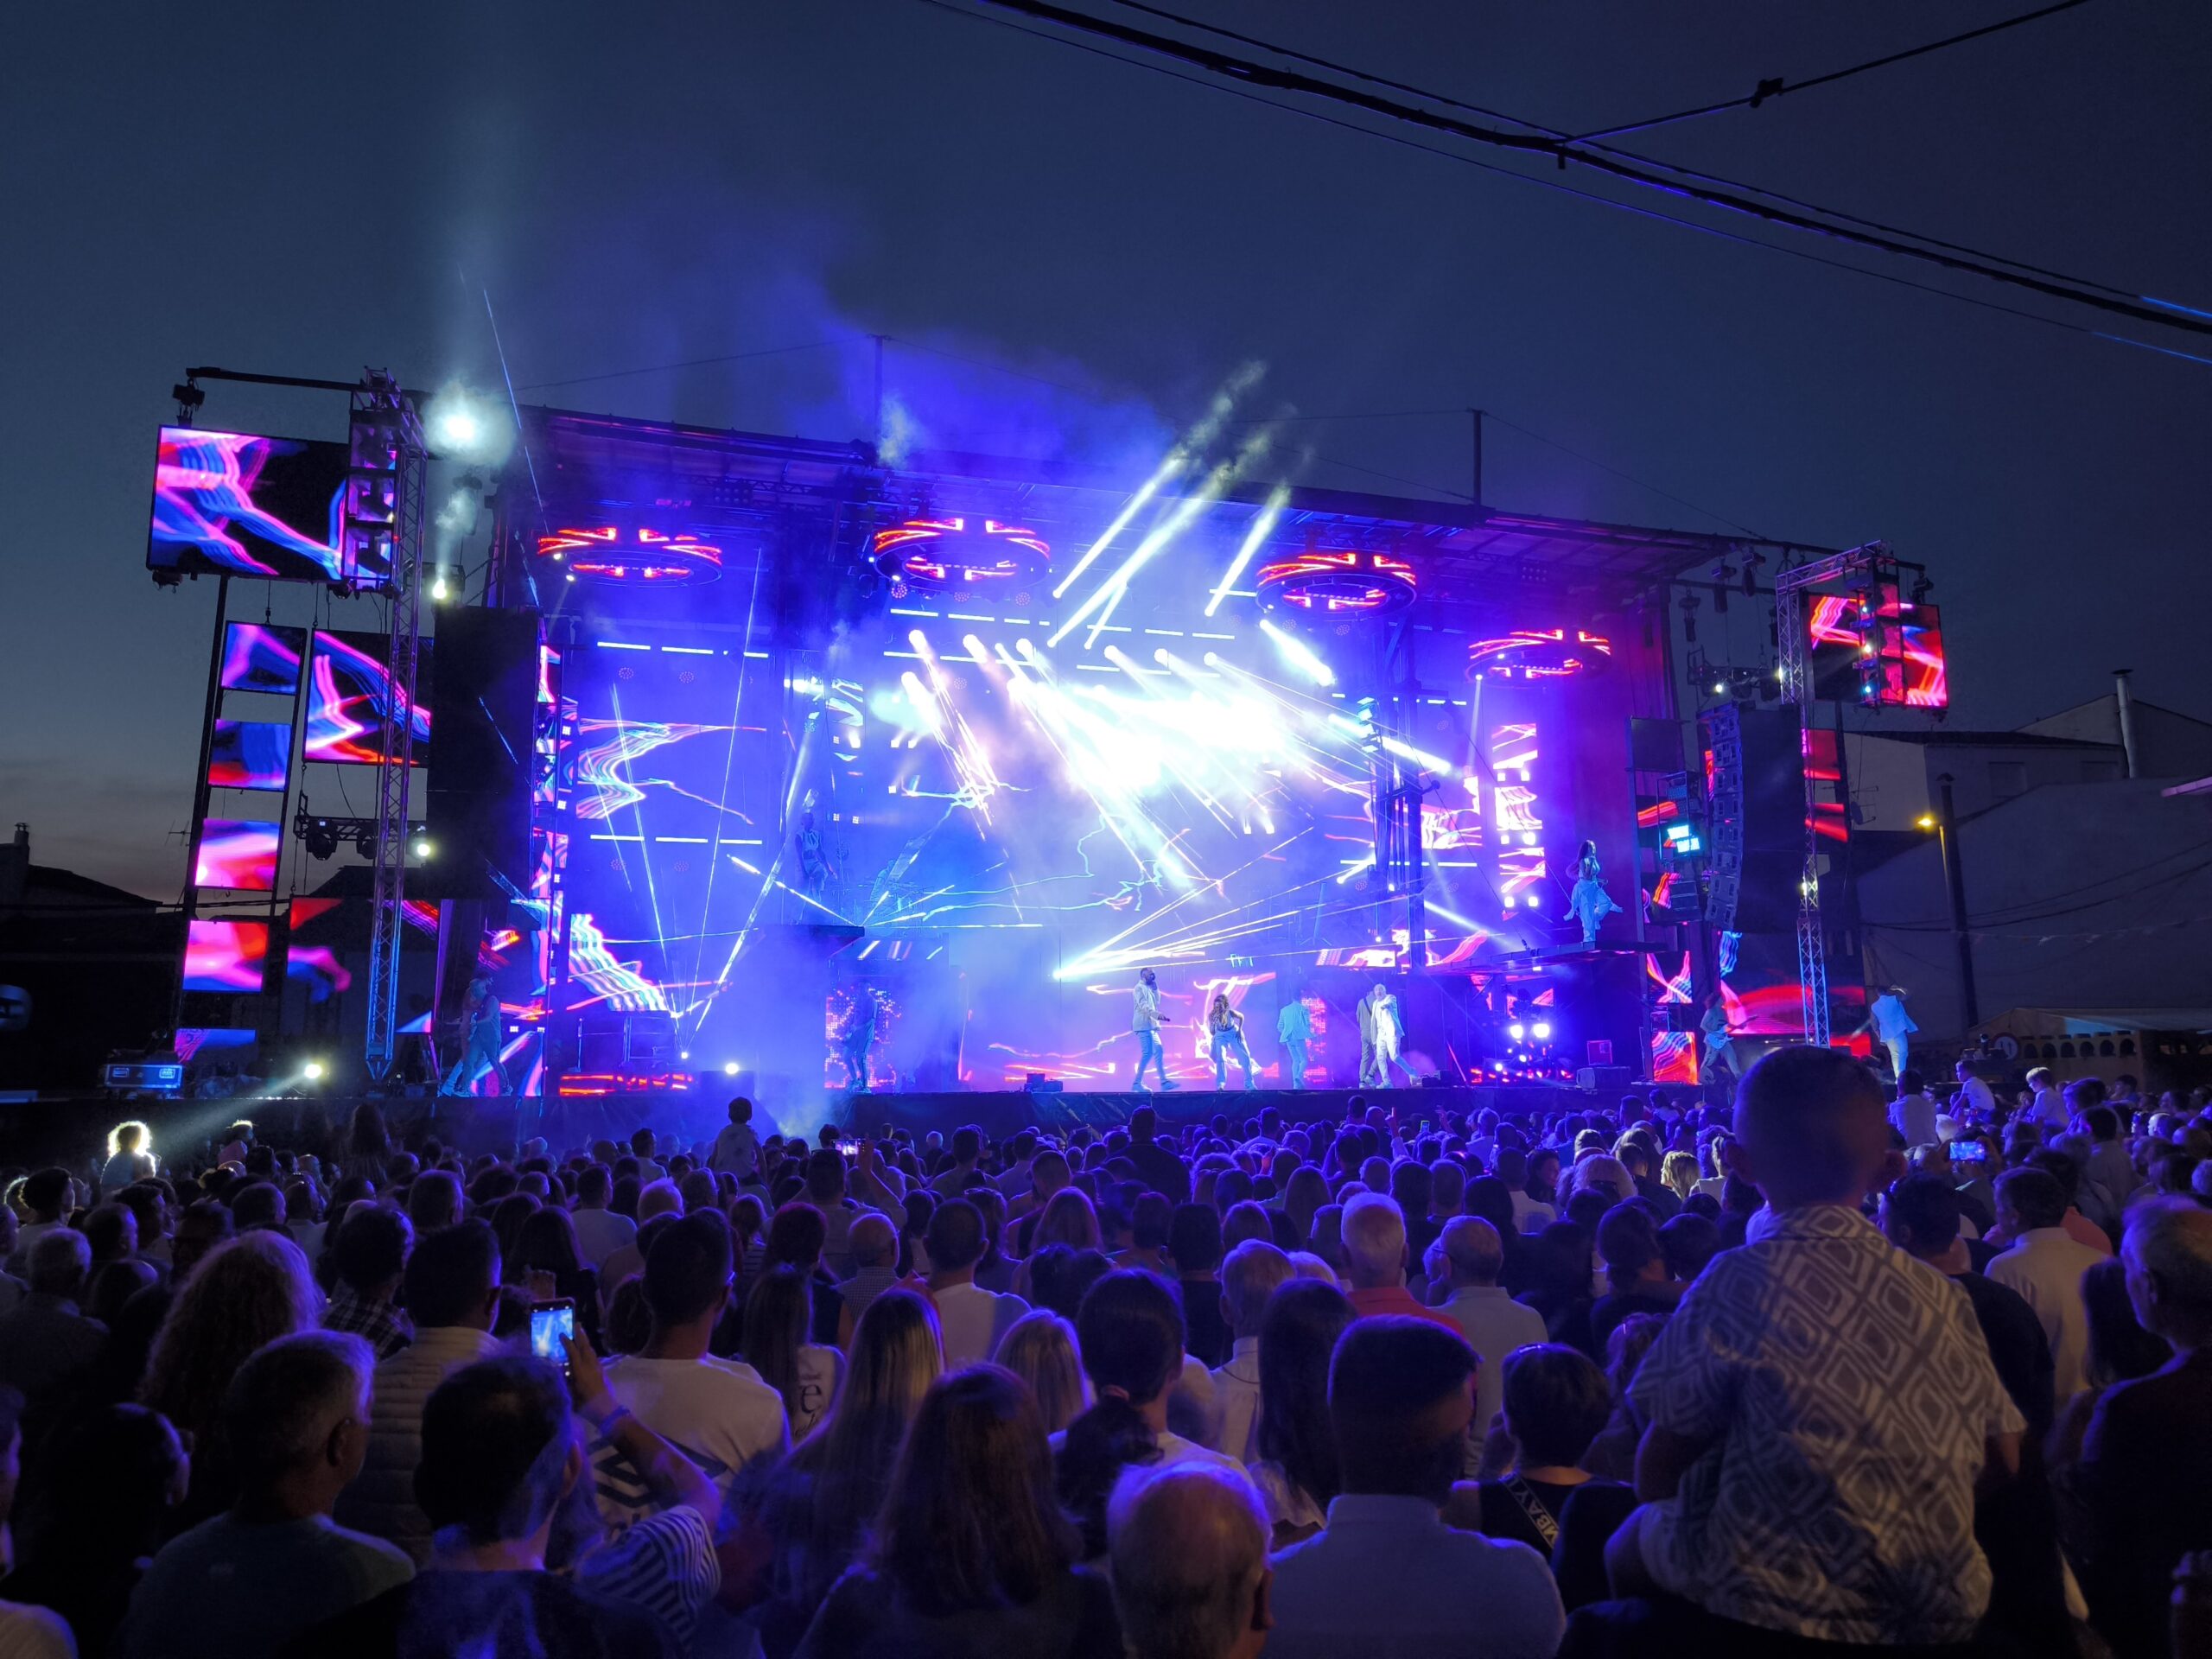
(349, 697)
(258, 658)
(249, 754)
(240, 853)
(231, 502)
(225, 956)
(1891, 654)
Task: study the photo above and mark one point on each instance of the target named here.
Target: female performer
(1589, 904)
(1226, 1026)
(479, 1015)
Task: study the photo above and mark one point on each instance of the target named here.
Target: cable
(1616, 164)
(1565, 138)
(1775, 87)
(1807, 254)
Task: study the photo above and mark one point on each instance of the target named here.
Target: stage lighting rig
(1689, 604)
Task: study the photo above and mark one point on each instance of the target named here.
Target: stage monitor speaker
(1604, 1079)
(480, 735)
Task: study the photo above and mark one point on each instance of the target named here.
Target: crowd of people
(1836, 1368)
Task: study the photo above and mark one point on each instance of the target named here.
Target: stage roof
(705, 477)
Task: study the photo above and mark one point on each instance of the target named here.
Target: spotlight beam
(1262, 526)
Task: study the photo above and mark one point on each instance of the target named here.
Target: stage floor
(1003, 1112)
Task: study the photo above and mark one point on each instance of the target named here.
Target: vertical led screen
(249, 754)
(225, 956)
(232, 503)
(1878, 647)
(350, 696)
(258, 658)
(238, 853)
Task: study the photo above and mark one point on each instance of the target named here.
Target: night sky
(260, 187)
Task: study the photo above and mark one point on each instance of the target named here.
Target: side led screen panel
(257, 657)
(1877, 648)
(251, 506)
(225, 956)
(349, 695)
(249, 754)
(238, 853)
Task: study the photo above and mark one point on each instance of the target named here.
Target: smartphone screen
(549, 1323)
(1969, 1152)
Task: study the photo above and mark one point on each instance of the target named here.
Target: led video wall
(1879, 649)
(257, 657)
(231, 502)
(350, 697)
(238, 853)
(225, 956)
(249, 754)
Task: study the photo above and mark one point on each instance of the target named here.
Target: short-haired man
(47, 1342)
(1374, 1232)
(44, 1193)
(1760, 1385)
(452, 1285)
(967, 1152)
(2146, 1464)
(1912, 1114)
(2045, 1266)
(295, 1425)
(971, 1320)
(1385, 1575)
(641, 1148)
(1189, 1549)
(2045, 1108)
(371, 1254)
(875, 1245)
(599, 1231)
(1253, 1273)
(717, 1412)
(1157, 1165)
(1975, 1096)
(1472, 1256)
(499, 1457)
(826, 1190)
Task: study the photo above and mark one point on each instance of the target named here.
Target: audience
(970, 1554)
(1188, 1548)
(297, 1421)
(788, 1448)
(1759, 1389)
(1385, 1575)
(499, 1455)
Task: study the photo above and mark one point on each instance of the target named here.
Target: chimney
(2120, 698)
(16, 867)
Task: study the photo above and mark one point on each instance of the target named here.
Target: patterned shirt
(1849, 1393)
(383, 1326)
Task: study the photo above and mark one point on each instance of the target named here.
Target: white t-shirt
(820, 1372)
(601, 1232)
(717, 1412)
(972, 1319)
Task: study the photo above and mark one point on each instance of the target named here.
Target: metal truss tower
(385, 502)
(1871, 563)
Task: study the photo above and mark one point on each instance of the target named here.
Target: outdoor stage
(822, 756)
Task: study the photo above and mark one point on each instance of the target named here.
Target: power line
(1714, 231)
(1775, 87)
(1617, 164)
(1566, 137)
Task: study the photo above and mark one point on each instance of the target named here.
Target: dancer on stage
(859, 1037)
(1145, 1021)
(1893, 1027)
(1295, 1030)
(479, 1015)
(1226, 1026)
(1719, 1048)
(1381, 1034)
(1589, 904)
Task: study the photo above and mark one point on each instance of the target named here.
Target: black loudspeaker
(480, 735)
(1774, 821)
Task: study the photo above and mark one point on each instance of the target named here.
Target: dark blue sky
(262, 187)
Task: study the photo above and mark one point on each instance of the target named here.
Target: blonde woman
(1679, 1170)
(809, 1516)
(1039, 1348)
